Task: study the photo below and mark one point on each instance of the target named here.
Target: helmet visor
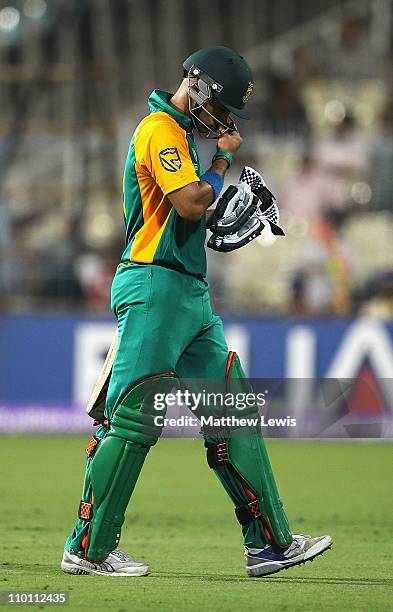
(203, 92)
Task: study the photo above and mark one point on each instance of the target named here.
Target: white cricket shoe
(117, 563)
(265, 561)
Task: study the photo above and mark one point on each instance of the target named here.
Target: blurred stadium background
(75, 76)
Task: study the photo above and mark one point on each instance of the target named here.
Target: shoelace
(120, 555)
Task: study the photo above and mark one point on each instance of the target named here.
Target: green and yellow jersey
(162, 158)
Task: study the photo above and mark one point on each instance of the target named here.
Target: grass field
(182, 522)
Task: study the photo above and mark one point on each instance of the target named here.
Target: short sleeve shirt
(162, 158)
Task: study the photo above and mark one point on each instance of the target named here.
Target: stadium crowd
(322, 135)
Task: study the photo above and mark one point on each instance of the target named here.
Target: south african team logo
(248, 93)
(170, 159)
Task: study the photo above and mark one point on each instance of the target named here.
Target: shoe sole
(273, 567)
(77, 570)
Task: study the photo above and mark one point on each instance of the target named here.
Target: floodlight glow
(9, 18)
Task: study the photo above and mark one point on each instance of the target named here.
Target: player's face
(214, 117)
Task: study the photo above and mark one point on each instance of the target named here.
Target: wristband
(223, 155)
(215, 181)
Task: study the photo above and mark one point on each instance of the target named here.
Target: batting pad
(242, 465)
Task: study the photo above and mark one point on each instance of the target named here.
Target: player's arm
(192, 200)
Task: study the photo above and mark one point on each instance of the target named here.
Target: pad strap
(104, 422)
(92, 446)
(248, 512)
(85, 510)
(216, 455)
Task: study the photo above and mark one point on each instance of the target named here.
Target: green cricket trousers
(166, 325)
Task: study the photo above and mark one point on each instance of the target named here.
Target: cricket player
(167, 330)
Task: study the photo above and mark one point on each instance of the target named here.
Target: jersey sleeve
(163, 151)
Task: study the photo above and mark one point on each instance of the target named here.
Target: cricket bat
(96, 405)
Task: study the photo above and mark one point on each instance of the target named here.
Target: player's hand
(229, 141)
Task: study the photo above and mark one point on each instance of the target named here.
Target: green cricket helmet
(224, 74)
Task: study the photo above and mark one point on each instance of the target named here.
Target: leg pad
(118, 460)
(242, 465)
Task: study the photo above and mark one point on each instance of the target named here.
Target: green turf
(182, 522)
